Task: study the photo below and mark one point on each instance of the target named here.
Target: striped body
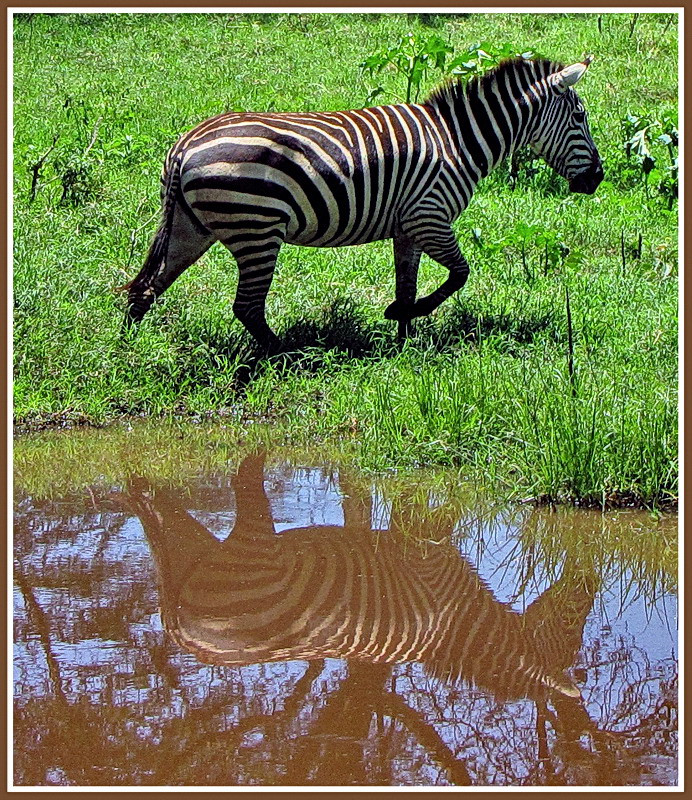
(324, 180)
(406, 172)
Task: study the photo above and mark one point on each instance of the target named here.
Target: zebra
(352, 593)
(254, 181)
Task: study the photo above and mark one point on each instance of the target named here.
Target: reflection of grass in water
(52, 463)
(429, 506)
(632, 549)
(176, 454)
(168, 452)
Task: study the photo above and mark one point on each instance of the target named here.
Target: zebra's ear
(567, 77)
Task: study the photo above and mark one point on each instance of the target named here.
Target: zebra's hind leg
(256, 259)
(179, 242)
(406, 261)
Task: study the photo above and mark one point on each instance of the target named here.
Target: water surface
(269, 618)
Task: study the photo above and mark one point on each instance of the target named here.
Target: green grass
(484, 384)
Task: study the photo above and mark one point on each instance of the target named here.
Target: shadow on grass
(310, 344)
(509, 332)
(343, 327)
(306, 343)
(342, 332)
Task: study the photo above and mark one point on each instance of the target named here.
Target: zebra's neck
(490, 117)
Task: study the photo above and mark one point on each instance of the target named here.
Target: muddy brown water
(285, 621)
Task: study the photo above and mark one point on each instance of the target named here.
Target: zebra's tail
(142, 288)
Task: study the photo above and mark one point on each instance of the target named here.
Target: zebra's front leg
(441, 246)
(406, 262)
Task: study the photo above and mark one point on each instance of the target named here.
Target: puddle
(279, 619)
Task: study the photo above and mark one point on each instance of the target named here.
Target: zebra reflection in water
(374, 598)
(353, 593)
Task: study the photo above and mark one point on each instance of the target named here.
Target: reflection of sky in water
(619, 605)
(311, 497)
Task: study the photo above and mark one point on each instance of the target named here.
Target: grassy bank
(489, 384)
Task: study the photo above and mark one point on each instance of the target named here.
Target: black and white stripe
(406, 172)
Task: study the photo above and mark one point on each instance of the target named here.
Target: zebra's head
(562, 136)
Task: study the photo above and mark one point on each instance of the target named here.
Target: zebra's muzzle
(587, 182)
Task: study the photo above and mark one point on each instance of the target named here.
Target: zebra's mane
(455, 89)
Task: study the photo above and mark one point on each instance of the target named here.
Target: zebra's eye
(579, 116)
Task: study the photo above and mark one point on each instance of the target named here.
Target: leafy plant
(482, 56)
(410, 58)
(76, 178)
(641, 135)
(71, 158)
(550, 252)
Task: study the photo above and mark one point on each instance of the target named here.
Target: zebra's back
(332, 179)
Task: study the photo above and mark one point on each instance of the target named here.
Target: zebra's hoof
(422, 307)
(401, 312)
